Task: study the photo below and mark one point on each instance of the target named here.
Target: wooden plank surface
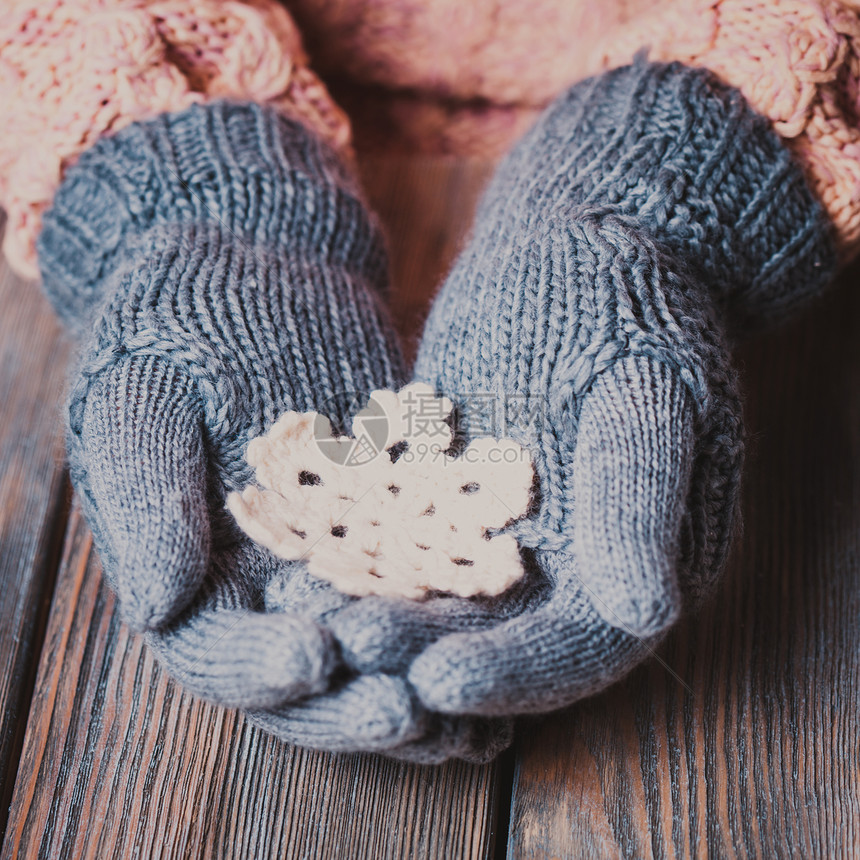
(32, 500)
(118, 761)
(758, 755)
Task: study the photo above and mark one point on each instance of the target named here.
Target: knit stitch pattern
(220, 269)
(74, 70)
(797, 62)
(648, 214)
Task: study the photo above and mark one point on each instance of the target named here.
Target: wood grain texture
(757, 752)
(32, 500)
(120, 762)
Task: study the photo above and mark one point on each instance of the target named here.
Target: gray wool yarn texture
(648, 217)
(221, 269)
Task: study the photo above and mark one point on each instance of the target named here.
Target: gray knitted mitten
(649, 212)
(220, 268)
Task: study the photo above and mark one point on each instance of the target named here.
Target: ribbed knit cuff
(72, 72)
(684, 159)
(258, 175)
(795, 63)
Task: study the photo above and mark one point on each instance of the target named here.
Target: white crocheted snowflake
(388, 511)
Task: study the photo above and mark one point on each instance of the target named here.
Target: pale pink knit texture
(797, 62)
(72, 70)
(511, 52)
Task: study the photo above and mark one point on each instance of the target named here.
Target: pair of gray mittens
(220, 268)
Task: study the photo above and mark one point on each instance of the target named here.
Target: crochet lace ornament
(389, 511)
(73, 70)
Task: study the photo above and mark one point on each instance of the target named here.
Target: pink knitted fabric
(797, 62)
(72, 70)
(509, 52)
(482, 68)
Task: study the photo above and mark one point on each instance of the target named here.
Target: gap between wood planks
(34, 502)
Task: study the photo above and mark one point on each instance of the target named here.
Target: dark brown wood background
(753, 752)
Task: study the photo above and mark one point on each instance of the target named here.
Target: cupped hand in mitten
(220, 269)
(648, 213)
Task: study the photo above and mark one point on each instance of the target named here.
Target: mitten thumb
(631, 475)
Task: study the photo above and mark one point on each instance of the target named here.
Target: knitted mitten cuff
(237, 168)
(797, 62)
(71, 72)
(670, 197)
(673, 154)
